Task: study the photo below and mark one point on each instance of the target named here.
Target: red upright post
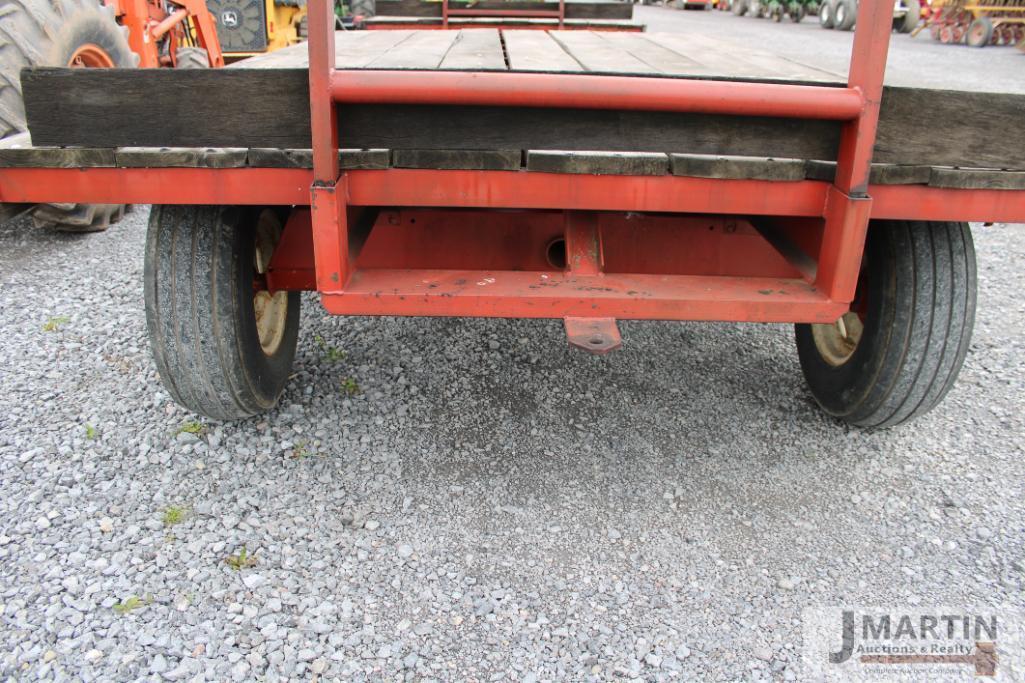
(848, 205)
(327, 200)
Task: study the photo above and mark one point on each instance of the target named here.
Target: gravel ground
(470, 499)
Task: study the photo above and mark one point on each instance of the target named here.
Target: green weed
(53, 324)
(240, 560)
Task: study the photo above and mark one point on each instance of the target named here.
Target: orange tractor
(87, 33)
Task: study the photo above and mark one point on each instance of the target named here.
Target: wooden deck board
(640, 54)
(419, 50)
(476, 50)
(597, 54)
(658, 57)
(538, 51)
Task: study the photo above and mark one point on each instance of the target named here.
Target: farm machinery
(839, 14)
(252, 27)
(842, 14)
(1001, 22)
(795, 10)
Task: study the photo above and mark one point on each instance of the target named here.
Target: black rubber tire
(912, 18)
(827, 19)
(846, 14)
(199, 311)
(739, 7)
(796, 13)
(192, 58)
(47, 33)
(979, 33)
(364, 8)
(920, 297)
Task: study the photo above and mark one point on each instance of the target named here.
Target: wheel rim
(837, 342)
(271, 308)
(91, 56)
(841, 14)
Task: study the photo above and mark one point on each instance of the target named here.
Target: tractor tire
(192, 58)
(363, 8)
(846, 14)
(909, 330)
(54, 33)
(222, 349)
(980, 32)
(913, 17)
(827, 16)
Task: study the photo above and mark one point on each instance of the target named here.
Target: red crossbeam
(581, 91)
(527, 13)
(512, 294)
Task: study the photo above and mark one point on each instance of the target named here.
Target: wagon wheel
(980, 32)
(826, 18)
(846, 14)
(223, 344)
(1005, 34)
(947, 34)
(912, 18)
(957, 33)
(898, 350)
(796, 12)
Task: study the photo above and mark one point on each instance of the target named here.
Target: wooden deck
(257, 113)
(637, 54)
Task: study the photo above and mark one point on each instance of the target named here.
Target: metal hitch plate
(594, 335)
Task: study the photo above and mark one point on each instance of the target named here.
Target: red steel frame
(582, 289)
(320, 251)
(447, 12)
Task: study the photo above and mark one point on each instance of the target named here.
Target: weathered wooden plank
(597, 163)
(440, 127)
(596, 54)
(880, 174)
(113, 108)
(727, 60)
(736, 167)
(17, 152)
(353, 50)
(979, 130)
(180, 157)
(348, 159)
(419, 50)
(537, 51)
(574, 9)
(977, 179)
(476, 50)
(656, 57)
(238, 107)
(472, 159)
